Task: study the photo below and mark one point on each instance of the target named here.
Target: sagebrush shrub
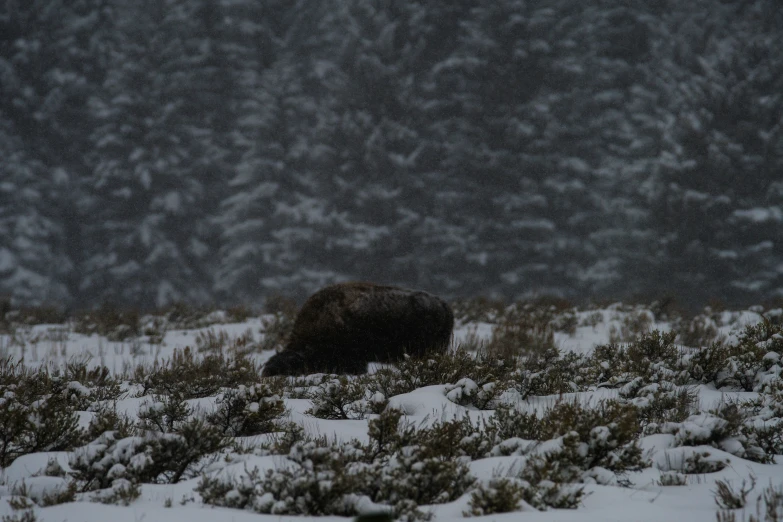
(467, 393)
(37, 412)
(605, 436)
(528, 328)
(189, 376)
(343, 397)
(658, 403)
(108, 419)
(548, 372)
(149, 458)
(748, 364)
(654, 357)
(499, 495)
(109, 321)
(699, 331)
(726, 497)
(335, 478)
(278, 327)
(247, 410)
(163, 413)
(729, 427)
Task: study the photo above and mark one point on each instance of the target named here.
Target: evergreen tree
(33, 262)
(274, 217)
(51, 60)
(718, 209)
(157, 156)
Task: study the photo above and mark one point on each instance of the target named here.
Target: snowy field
(644, 494)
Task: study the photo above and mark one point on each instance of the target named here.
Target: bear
(343, 327)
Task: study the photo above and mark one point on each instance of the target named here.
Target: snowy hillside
(563, 414)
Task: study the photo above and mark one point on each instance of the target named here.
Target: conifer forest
(221, 151)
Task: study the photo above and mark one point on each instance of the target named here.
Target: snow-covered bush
(278, 327)
(467, 393)
(102, 386)
(189, 376)
(528, 328)
(151, 458)
(635, 323)
(108, 419)
(578, 438)
(321, 480)
(672, 478)
(698, 331)
(437, 368)
(728, 498)
(113, 323)
(659, 402)
(548, 372)
(653, 356)
(730, 428)
(348, 478)
(499, 495)
(163, 413)
(749, 364)
(247, 410)
(346, 398)
(37, 412)
(509, 423)
(607, 434)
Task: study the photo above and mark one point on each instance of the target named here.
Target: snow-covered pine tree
(51, 60)
(274, 217)
(158, 156)
(718, 208)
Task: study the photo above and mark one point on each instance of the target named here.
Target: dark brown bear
(343, 327)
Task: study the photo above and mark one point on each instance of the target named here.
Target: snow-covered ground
(644, 500)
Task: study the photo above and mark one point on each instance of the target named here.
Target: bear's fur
(343, 327)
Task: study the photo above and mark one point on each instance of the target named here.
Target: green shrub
(439, 368)
(658, 403)
(699, 331)
(525, 329)
(163, 413)
(152, 458)
(103, 386)
(509, 423)
(247, 410)
(187, 376)
(499, 495)
(453, 439)
(699, 464)
(747, 364)
(467, 393)
(605, 436)
(549, 372)
(672, 478)
(635, 324)
(107, 419)
(729, 427)
(654, 357)
(346, 398)
(122, 493)
(109, 321)
(37, 412)
(278, 325)
(477, 309)
(11, 317)
(335, 479)
(550, 478)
